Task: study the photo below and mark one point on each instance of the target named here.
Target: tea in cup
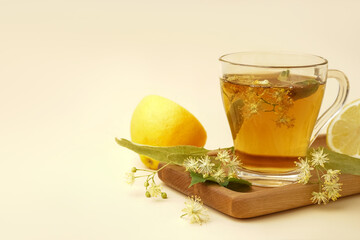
(272, 102)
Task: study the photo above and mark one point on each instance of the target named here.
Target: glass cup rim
(322, 63)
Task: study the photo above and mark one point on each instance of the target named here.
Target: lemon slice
(343, 133)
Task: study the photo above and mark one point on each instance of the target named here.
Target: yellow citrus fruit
(158, 121)
(343, 133)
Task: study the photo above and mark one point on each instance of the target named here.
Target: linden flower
(205, 166)
(305, 169)
(223, 156)
(191, 164)
(328, 182)
(233, 166)
(319, 197)
(154, 190)
(219, 175)
(331, 175)
(195, 211)
(332, 190)
(285, 120)
(279, 95)
(129, 178)
(319, 157)
(263, 82)
(253, 108)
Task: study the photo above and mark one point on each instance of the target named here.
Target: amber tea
(272, 101)
(271, 117)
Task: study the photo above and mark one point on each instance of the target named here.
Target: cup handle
(334, 109)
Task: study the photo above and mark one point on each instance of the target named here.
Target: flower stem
(146, 170)
(142, 176)
(319, 178)
(162, 167)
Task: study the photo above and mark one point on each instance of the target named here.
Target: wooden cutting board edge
(257, 202)
(260, 201)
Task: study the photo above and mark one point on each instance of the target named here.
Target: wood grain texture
(258, 201)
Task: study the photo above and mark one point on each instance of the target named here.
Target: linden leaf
(196, 178)
(304, 89)
(174, 154)
(284, 75)
(338, 161)
(177, 155)
(240, 181)
(239, 185)
(235, 117)
(235, 184)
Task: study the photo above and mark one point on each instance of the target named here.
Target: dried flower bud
(147, 194)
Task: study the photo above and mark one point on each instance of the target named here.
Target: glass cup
(272, 101)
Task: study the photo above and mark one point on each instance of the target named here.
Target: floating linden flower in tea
(263, 82)
(259, 98)
(285, 120)
(279, 95)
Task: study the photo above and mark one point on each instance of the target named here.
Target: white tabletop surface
(71, 74)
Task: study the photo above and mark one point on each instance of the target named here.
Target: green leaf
(235, 117)
(240, 181)
(304, 89)
(235, 184)
(284, 75)
(175, 154)
(239, 185)
(345, 163)
(196, 178)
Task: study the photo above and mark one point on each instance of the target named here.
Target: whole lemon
(158, 121)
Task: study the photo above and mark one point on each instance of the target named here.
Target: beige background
(72, 72)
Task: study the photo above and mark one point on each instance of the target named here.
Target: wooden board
(258, 201)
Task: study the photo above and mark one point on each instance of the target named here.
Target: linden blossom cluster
(195, 211)
(259, 99)
(225, 166)
(329, 186)
(275, 100)
(152, 189)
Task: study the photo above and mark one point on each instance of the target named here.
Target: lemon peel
(158, 121)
